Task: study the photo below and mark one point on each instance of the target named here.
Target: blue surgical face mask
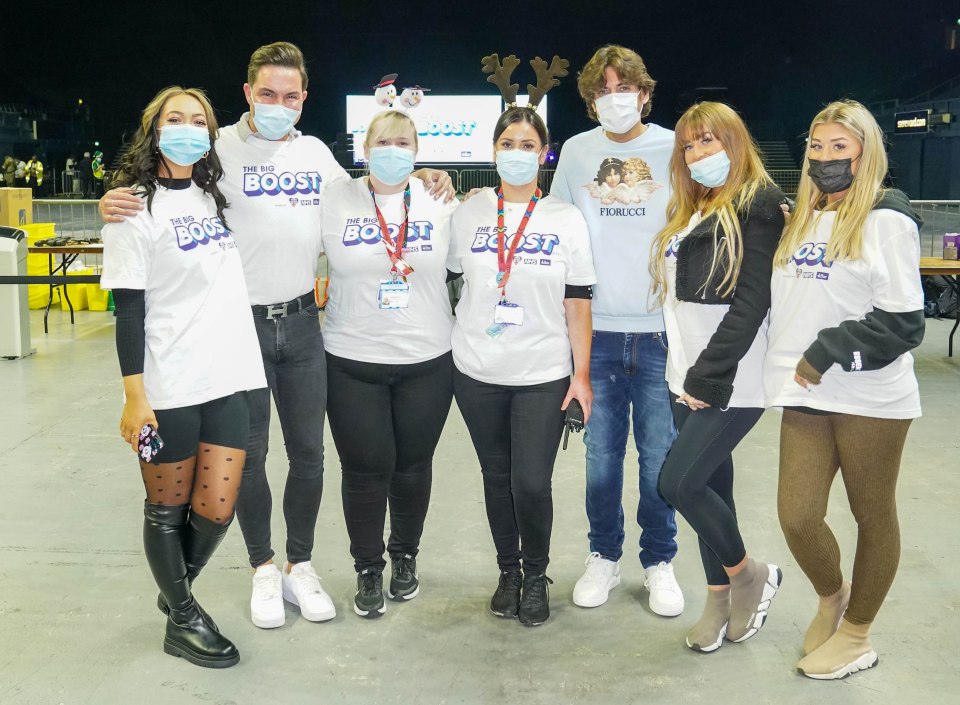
(711, 171)
(390, 165)
(517, 167)
(274, 121)
(184, 144)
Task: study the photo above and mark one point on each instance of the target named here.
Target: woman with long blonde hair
(711, 269)
(847, 306)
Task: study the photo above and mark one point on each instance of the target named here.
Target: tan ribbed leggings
(867, 452)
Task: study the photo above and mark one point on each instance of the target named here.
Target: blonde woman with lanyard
(387, 339)
(711, 268)
(847, 307)
(523, 314)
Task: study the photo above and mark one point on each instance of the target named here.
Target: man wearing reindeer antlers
(628, 355)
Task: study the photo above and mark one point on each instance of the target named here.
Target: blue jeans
(296, 367)
(625, 369)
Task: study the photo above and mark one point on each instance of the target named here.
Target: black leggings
(516, 433)
(697, 479)
(201, 462)
(386, 422)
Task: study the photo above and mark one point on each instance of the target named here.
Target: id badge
(393, 294)
(507, 312)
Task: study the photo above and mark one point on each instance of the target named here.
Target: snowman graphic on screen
(385, 94)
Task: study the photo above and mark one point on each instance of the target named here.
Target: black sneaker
(506, 600)
(368, 601)
(535, 602)
(404, 581)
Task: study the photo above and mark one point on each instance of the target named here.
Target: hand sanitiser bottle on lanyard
(506, 313)
(394, 293)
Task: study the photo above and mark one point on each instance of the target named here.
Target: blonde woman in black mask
(847, 307)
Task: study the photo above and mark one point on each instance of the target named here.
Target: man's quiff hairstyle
(629, 67)
(277, 54)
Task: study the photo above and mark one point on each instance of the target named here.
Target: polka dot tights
(208, 481)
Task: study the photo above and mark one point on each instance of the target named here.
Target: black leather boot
(188, 634)
(201, 537)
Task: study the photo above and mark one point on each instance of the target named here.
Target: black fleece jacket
(877, 339)
(710, 379)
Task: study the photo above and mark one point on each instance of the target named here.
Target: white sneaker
(666, 598)
(266, 604)
(594, 586)
(301, 586)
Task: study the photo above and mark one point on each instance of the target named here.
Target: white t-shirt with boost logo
(808, 295)
(555, 252)
(355, 326)
(200, 338)
(274, 189)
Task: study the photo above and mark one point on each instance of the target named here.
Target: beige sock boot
(707, 634)
(846, 652)
(827, 620)
(751, 592)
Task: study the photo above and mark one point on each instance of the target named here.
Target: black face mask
(831, 176)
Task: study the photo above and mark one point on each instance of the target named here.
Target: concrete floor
(78, 622)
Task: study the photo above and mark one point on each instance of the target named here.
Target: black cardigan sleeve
(871, 343)
(711, 377)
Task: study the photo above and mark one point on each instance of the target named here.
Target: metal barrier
(72, 217)
(786, 179)
(454, 175)
(484, 178)
(939, 217)
(79, 218)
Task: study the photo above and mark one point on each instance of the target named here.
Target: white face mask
(618, 112)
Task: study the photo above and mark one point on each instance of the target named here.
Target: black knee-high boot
(188, 634)
(201, 537)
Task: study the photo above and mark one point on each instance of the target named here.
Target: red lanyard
(505, 259)
(394, 249)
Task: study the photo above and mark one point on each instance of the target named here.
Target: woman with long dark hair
(521, 345)
(188, 352)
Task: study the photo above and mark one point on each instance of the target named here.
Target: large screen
(451, 129)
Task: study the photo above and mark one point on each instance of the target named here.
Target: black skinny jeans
(697, 480)
(516, 433)
(386, 422)
(292, 351)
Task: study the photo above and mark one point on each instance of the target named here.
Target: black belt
(285, 309)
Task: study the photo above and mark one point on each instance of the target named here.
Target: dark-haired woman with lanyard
(523, 326)
(387, 340)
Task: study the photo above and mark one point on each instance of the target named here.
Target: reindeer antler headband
(547, 77)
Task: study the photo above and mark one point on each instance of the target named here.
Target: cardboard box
(16, 207)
